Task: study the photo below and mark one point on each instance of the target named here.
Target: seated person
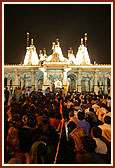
(106, 128)
(72, 117)
(88, 155)
(81, 123)
(92, 118)
(101, 146)
(76, 134)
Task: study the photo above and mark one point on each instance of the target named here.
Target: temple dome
(82, 56)
(71, 56)
(57, 55)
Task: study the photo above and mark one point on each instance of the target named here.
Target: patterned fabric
(54, 122)
(12, 141)
(76, 134)
(12, 138)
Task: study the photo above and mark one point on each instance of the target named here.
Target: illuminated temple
(74, 72)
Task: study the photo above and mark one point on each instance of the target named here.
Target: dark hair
(107, 120)
(91, 109)
(71, 113)
(89, 144)
(30, 122)
(81, 115)
(104, 105)
(109, 97)
(71, 125)
(97, 132)
(45, 121)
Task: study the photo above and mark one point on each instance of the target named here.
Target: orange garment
(54, 122)
(76, 134)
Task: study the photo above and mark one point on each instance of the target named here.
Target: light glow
(31, 57)
(58, 84)
(71, 58)
(82, 56)
(57, 49)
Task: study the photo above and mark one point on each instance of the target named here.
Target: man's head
(71, 126)
(89, 144)
(81, 115)
(96, 132)
(107, 120)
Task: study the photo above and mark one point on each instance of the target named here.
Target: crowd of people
(57, 129)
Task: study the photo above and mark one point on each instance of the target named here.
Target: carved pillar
(26, 82)
(76, 85)
(79, 80)
(45, 80)
(22, 83)
(13, 84)
(8, 82)
(36, 84)
(87, 85)
(65, 78)
(103, 83)
(95, 83)
(16, 79)
(110, 86)
(91, 85)
(105, 89)
(33, 80)
(100, 86)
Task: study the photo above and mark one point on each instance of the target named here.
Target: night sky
(68, 22)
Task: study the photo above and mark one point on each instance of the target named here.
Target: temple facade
(73, 73)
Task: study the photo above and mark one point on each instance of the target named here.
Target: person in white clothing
(95, 107)
(101, 148)
(100, 112)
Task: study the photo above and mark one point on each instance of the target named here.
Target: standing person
(6, 95)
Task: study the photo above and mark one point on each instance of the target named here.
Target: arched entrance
(71, 82)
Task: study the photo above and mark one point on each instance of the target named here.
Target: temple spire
(57, 42)
(53, 46)
(27, 39)
(32, 42)
(81, 41)
(85, 38)
(44, 51)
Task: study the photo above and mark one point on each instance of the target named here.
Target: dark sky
(68, 22)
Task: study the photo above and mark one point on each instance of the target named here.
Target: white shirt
(101, 146)
(95, 107)
(100, 112)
